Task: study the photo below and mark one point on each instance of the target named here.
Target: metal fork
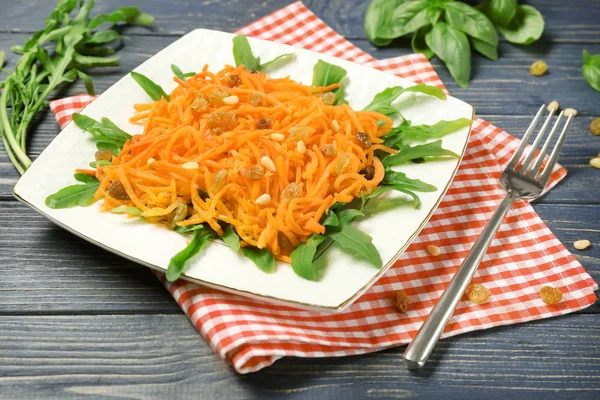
(521, 181)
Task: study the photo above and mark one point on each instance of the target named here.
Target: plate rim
(247, 293)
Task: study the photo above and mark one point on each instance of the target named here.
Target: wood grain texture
(568, 22)
(47, 269)
(162, 356)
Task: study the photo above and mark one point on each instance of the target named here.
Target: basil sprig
(450, 29)
(591, 69)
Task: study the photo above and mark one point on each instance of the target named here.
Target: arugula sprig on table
(450, 28)
(53, 56)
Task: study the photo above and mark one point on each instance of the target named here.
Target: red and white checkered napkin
(524, 256)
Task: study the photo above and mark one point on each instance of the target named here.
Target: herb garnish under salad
(276, 169)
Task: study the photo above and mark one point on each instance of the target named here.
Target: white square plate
(344, 278)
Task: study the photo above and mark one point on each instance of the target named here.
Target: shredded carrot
(212, 156)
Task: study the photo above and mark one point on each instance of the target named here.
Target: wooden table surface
(76, 321)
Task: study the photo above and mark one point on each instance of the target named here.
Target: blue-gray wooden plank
(163, 357)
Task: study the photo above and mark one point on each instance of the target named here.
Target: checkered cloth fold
(524, 256)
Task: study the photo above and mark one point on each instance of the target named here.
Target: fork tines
(525, 167)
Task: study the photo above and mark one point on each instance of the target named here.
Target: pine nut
(278, 137)
(231, 100)
(335, 125)
(595, 162)
(151, 161)
(268, 163)
(553, 106)
(570, 111)
(433, 250)
(301, 147)
(581, 244)
(263, 199)
(190, 165)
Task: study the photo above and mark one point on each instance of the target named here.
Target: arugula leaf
(85, 178)
(127, 210)
(263, 258)
(104, 131)
(115, 149)
(379, 17)
(106, 36)
(177, 72)
(526, 27)
(177, 263)
(231, 238)
(1, 59)
(409, 17)
(325, 74)
(303, 256)
(87, 81)
(152, 89)
(100, 163)
(452, 47)
(130, 15)
(407, 153)
(382, 102)
(347, 216)
(242, 54)
(435, 131)
(331, 219)
(356, 243)
(74, 195)
(471, 21)
(392, 177)
(486, 49)
(500, 12)
(591, 69)
(418, 42)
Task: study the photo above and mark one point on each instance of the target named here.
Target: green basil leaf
(526, 27)
(152, 89)
(115, 149)
(127, 210)
(470, 21)
(87, 81)
(360, 245)
(105, 36)
(325, 74)
(500, 12)
(303, 256)
(129, 15)
(591, 69)
(74, 195)
(452, 47)
(85, 178)
(407, 153)
(242, 54)
(279, 60)
(177, 263)
(231, 238)
(435, 131)
(263, 258)
(486, 49)
(331, 219)
(379, 16)
(408, 17)
(418, 42)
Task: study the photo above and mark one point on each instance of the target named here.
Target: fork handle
(420, 348)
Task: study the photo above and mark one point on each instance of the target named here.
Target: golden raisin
(217, 131)
(550, 295)
(177, 215)
(263, 124)
(117, 191)
(402, 301)
(298, 132)
(256, 172)
(342, 165)
(216, 98)
(103, 155)
(234, 80)
(220, 180)
(478, 293)
(225, 120)
(200, 103)
(328, 98)
(368, 172)
(538, 68)
(255, 99)
(595, 126)
(364, 140)
(328, 150)
(291, 191)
